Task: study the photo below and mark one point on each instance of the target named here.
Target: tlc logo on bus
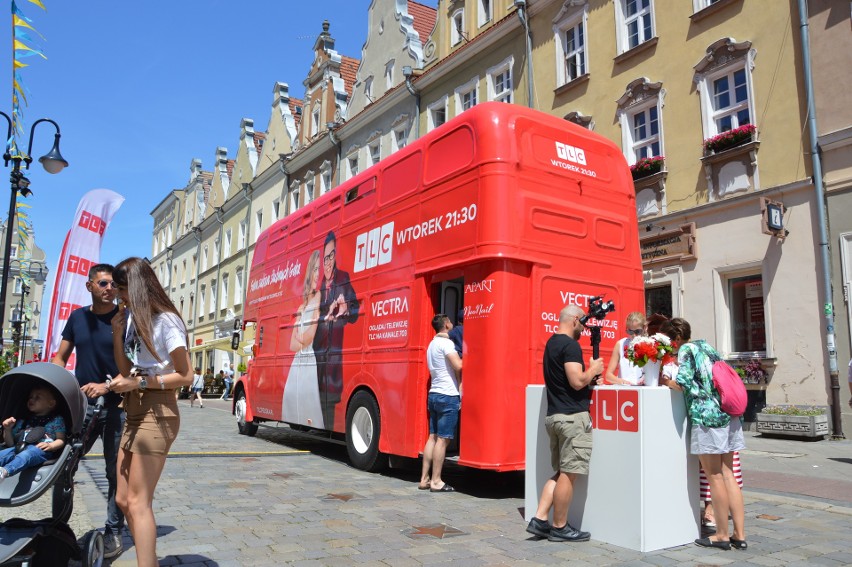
(615, 410)
(374, 248)
(570, 153)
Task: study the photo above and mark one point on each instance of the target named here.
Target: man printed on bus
(338, 306)
(568, 425)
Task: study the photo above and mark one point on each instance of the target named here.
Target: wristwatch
(108, 383)
(143, 382)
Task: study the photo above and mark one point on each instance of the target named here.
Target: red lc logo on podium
(615, 410)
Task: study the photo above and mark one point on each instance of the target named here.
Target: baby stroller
(48, 542)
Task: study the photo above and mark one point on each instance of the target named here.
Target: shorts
(717, 440)
(195, 390)
(443, 414)
(570, 442)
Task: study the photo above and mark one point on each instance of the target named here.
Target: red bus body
(525, 211)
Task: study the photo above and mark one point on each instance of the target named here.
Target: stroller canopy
(16, 384)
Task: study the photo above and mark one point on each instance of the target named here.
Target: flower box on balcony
(793, 421)
(729, 139)
(647, 166)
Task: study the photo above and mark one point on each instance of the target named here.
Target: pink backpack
(732, 391)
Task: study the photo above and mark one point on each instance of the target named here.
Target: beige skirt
(152, 422)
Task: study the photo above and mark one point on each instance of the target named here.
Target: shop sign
(677, 244)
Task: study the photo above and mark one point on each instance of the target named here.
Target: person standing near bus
(443, 403)
(568, 424)
(338, 306)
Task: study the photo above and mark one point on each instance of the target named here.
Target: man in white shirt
(443, 403)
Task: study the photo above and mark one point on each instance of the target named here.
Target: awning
(221, 344)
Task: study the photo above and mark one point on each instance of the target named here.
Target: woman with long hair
(150, 348)
(301, 403)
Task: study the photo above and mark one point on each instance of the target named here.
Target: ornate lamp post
(53, 162)
(33, 312)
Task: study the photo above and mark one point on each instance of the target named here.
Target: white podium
(642, 489)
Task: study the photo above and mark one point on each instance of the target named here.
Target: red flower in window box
(647, 166)
(730, 139)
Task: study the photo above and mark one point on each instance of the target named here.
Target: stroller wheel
(93, 549)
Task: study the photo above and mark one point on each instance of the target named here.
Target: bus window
(451, 299)
(401, 178)
(449, 154)
(362, 201)
(327, 217)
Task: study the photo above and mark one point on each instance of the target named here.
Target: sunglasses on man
(103, 284)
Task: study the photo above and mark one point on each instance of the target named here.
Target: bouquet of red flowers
(642, 350)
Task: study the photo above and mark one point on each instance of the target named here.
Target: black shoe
(540, 528)
(567, 533)
(112, 544)
(707, 542)
(739, 544)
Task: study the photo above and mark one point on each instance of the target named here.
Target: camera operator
(568, 424)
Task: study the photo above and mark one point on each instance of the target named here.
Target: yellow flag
(19, 65)
(39, 4)
(18, 21)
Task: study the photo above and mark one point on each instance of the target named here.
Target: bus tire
(363, 428)
(244, 427)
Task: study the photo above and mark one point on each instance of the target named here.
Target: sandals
(445, 488)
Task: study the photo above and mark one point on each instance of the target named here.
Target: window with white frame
(191, 311)
(183, 278)
(217, 248)
(325, 177)
(276, 210)
(725, 87)
(238, 287)
(368, 88)
(746, 312)
(294, 196)
(258, 224)
(227, 249)
(400, 138)
(309, 187)
(241, 235)
(640, 118)
(352, 165)
(437, 113)
(500, 81)
(389, 84)
(572, 61)
(204, 256)
(699, 5)
(19, 285)
(483, 13)
(202, 295)
(375, 152)
(457, 26)
(193, 267)
(465, 96)
(212, 296)
(223, 300)
(634, 23)
(315, 119)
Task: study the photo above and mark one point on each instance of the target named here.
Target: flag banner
(81, 251)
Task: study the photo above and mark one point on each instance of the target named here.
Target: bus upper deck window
(351, 195)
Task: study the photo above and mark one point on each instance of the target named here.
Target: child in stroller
(49, 541)
(33, 439)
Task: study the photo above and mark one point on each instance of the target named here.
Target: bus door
(450, 302)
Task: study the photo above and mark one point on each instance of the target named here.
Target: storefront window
(659, 300)
(748, 324)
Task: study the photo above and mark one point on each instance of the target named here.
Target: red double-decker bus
(504, 213)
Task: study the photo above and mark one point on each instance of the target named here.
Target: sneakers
(112, 544)
(540, 528)
(567, 533)
(4, 474)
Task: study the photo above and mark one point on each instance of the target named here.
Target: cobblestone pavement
(284, 498)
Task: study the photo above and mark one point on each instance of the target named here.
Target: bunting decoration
(24, 47)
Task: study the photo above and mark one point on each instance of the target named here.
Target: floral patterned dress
(695, 375)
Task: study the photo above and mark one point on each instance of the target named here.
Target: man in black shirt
(568, 425)
(89, 331)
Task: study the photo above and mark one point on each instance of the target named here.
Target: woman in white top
(628, 373)
(150, 348)
(301, 402)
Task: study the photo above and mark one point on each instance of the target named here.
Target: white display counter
(642, 489)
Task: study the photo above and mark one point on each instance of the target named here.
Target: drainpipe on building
(816, 162)
(196, 232)
(246, 189)
(521, 9)
(220, 213)
(408, 72)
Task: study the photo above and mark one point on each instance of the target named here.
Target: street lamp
(53, 162)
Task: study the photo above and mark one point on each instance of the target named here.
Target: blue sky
(139, 88)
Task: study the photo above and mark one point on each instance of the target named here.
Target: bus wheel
(245, 427)
(363, 426)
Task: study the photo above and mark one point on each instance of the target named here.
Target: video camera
(598, 308)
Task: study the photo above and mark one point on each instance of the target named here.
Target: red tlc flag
(81, 251)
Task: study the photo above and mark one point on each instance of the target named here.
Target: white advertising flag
(81, 251)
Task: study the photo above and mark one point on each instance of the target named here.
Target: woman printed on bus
(628, 373)
(150, 348)
(301, 402)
